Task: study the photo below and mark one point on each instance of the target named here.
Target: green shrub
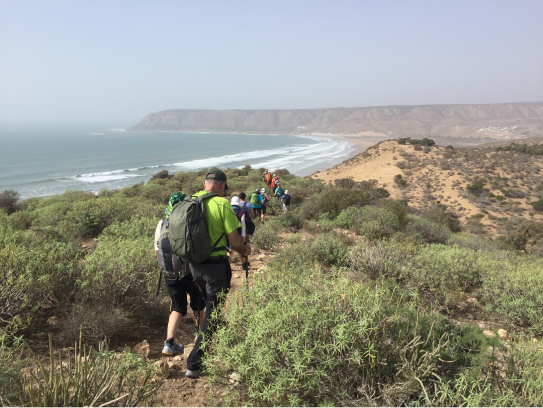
(265, 236)
(478, 243)
(380, 259)
(294, 256)
(329, 250)
(513, 287)
(537, 205)
(87, 377)
(300, 345)
(438, 215)
(333, 201)
(440, 272)
(371, 222)
(31, 274)
(289, 219)
(427, 231)
(9, 200)
(397, 208)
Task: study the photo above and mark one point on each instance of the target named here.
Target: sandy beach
(360, 144)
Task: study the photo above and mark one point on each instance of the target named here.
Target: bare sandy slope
(439, 175)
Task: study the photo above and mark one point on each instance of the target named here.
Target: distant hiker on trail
(274, 182)
(286, 199)
(178, 281)
(266, 177)
(279, 192)
(265, 200)
(256, 203)
(249, 215)
(241, 214)
(248, 208)
(213, 275)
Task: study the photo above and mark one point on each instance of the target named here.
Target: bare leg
(173, 324)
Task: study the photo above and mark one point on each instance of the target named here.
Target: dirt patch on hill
(437, 175)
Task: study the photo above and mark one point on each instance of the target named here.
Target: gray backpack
(172, 266)
(189, 238)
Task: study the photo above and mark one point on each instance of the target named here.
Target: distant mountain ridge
(496, 121)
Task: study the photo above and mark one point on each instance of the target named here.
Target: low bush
(265, 236)
(513, 288)
(291, 220)
(437, 214)
(478, 243)
(86, 377)
(440, 272)
(426, 230)
(354, 218)
(9, 200)
(35, 273)
(380, 259)
(351, 344)
(329, 250)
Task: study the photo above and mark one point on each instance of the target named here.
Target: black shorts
(178, 289)
(258, 211)
(264, 209)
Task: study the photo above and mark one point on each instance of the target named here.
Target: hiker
(249, 215)
(267, 177)
(274, 182)
(279, 192)
(241, 214)
(179, 282)
(256, 203)
(286, 199)
(265, 200)
(214, 274)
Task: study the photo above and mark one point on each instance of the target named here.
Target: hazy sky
(116, 61)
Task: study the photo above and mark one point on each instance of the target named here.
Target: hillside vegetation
(364, 302)
(493, 190)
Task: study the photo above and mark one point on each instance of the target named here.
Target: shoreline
(360, 143)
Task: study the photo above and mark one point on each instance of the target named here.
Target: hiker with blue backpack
(279, 192)
(178, 280)
(201, 228)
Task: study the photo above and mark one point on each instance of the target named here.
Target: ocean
(50, 160)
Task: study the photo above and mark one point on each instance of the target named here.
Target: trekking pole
(245, 265)
(159, 282)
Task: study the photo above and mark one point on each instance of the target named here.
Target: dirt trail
(179, 391)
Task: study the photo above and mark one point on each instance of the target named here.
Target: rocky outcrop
(496, 121)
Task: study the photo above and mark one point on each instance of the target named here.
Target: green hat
(217, 174)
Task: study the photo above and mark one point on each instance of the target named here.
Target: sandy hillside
(508, 181)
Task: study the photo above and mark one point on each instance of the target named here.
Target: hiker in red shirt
(274, 182)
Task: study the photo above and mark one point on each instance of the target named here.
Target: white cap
(286, 191)
(263, 190)
(235, 200)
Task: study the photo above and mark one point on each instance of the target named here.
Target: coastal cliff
(495, 121)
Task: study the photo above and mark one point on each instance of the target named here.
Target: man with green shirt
(214, 274)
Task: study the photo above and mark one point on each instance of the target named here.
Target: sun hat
(218, 175)
(235, 200)
(263, 190)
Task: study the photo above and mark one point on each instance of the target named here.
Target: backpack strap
(214, 247)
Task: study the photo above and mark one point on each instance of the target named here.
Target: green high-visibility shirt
(220, 218)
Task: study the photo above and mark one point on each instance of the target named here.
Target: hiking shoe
(192, 374)
(172, 349)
